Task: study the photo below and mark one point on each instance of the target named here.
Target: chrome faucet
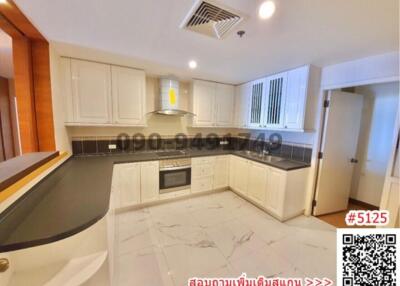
(266, 148)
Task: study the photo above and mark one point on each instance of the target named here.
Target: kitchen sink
(265, 157)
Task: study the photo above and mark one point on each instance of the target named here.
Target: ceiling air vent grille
(211, 20)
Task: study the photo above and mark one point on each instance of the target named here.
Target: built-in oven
(175, 175)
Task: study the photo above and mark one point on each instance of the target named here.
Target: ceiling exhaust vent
(207, 18)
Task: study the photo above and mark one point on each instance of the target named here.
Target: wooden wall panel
(23, 82)
(43, 100)
(5, 117)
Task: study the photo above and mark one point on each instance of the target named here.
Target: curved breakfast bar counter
(76, 195)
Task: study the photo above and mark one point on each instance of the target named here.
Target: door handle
(353, 160)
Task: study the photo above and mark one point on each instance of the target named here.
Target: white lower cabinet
(257, 183)
(275, 191)
(149, 181)
(202, 174)
(241, 175)
(136, 183)
(281, 193)
(221, 172)
(126, 181)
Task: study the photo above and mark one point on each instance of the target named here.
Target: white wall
(374, 146)
(376, 69)
(62, 137)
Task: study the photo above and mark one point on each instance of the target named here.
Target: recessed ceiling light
(267, 9)
(193, 64)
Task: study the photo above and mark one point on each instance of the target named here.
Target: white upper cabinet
(275, 101)
(128, 92)
(242, 96)
(91, 92)
(102, 94)
(203, 103)
(213, 104)
(225, 100)
(296, 98)
(284, 101)
(257, 103)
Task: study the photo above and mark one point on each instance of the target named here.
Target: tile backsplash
(100, 145)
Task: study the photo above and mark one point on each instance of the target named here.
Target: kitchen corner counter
(76, 195)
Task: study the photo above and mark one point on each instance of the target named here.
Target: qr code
(368, 257)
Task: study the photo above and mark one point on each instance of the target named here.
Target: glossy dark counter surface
(75, 196)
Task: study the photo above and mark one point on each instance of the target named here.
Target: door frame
(320, 121)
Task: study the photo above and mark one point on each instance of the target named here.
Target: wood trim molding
(32, 80)
(14, 15)
(42, 90)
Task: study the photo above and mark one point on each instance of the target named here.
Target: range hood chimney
(169, 98)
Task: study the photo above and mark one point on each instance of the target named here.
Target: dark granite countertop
(76, 195)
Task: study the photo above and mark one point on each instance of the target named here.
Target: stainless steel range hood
(169, 98)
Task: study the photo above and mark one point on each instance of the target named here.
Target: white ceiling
(6, 61)
(320, 32)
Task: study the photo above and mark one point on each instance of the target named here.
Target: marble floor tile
(144, 267)
(218, 235)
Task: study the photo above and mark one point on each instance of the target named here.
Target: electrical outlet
(112, 146)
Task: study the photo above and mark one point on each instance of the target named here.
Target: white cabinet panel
(241, 175)
(275, 104)
(224, 98)
(213, 104)
(257, 185)
(257, 103)
(202, 184)
(204, 103)
(232, 171)
(242, 97)
(91, 90)
(127, 183)
(203, 170)
(296, 96)
(128, 92)
(221, 172)
(149, 181)
(276, 182)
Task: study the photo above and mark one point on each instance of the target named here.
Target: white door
(224, 99)
(339, 146)
(204, 103)
(221, 172)
(128, 92)
(257, 103)
(276, 184)
(374, 161)
(149, 181)
(257, 185)
(91, 90)
(296, 95)
(128, 183)
(275, 101)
